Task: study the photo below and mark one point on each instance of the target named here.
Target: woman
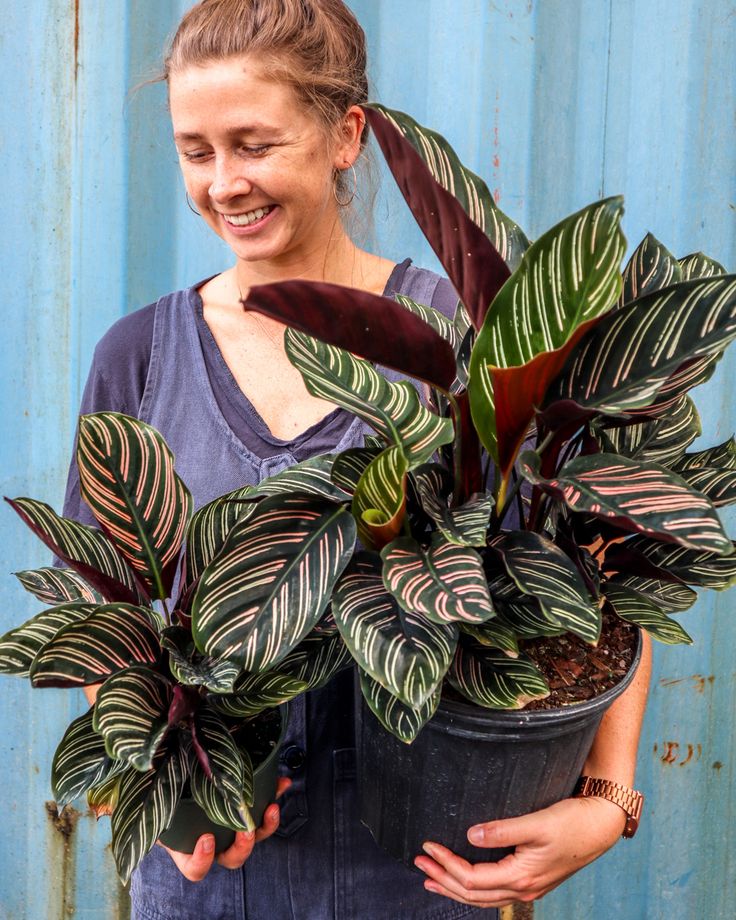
(265, 104)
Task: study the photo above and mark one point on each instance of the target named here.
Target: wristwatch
(629, 799)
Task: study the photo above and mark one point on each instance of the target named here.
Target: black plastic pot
(190, 821)
(470, 765)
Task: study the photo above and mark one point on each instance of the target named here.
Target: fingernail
(429, 848)
(477, 834)
(208, 844)
(430, 887)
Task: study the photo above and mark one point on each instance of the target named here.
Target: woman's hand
(551, 845)
(195, 866)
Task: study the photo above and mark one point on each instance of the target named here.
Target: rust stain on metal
(679, 755)
(76, 37)
(698, 681)
(717, 765)
(517, 912)
(62, 855)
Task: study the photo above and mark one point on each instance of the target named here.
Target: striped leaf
(227, 792)
(401, 720)
(85, 549)
(628, 357)
(650, 268)
(466, 524)
(195, 670)
(272, 580)
(59, 586)
(350, 465)
(145, 808)
(473, 265)
(310, 477)
(698, 265)
(520, 613)
(20, 646)
(640, 609)
(491, 679)
(494, 634)
(316, 660)
(718, 485)
(661, 440)
(703, 569)
(640, 497)
(722, 457)
(445, 583)
(671, 596)
(379, 503)
(543, 571)
(102, 798)
(209, 527)
(132, 715)
(470, 190)
(404, 652)
(113, 637)
(126, 474)
(254, 693)
(394, 410)
(80, 761)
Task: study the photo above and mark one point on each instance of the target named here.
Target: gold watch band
(626, 798)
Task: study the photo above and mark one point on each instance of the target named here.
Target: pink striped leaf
(113, 637)
(630, 355)
(445, 582)
(209, 527)
(272, 580)
(379, 503)
(81, 761)
(85, 549)
(316, 659)
(20, 646)
(540, 569)
(491, 679)
(702, 569)
(127, 478)
(469, 190)
(466, 524)
(310, 477)
(394, 410)
(226, 794)
(145, 806)
(641, 609)
(131, 714)
(59, 586)
(405, 652)
(637, 497)
(404, 722)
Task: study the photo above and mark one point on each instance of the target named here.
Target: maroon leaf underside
(618, 558)
(372, 327)
(200, 753)
(470, 452)
(473, 265)
(518, 391)
(110, 588)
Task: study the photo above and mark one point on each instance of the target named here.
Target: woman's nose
(230, 179)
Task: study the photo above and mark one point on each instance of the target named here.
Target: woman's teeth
(250, 217)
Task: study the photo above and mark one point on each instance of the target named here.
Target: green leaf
(20, 646)
(640, 609)
(492, 679)
(627, 358)
(698, 265)
(87, 652)
(59, 586)
(210, 526)
(226, 794)
(668, 595)
(661, 440)
(394, 410)
(404, 722)
(494, 634)
(469, 189)
(639, 497)
(650, 268)
(272, 580)
(718, 485)
(316, 660)
(86, 549)
(704, 569)
(350, 465)
(465, 524)
(102, 798)
(543, 571)
(445, 583)
(404, 652)
(568, 277)
(195, 670)
(126, 474)
(722, 457)
(145, 808)
(80, 761)
(379, 502)
(131, 714)
(255, 692)
(310, 477)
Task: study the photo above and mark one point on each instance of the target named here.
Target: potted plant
(568, 379)
(178, 742)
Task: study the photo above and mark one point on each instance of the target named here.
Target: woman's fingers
(194, 866)
(270, 823)
(237, 853)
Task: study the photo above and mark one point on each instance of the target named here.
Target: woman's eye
(193, 156)
(255, 151)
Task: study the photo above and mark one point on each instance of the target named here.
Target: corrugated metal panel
(555, 103)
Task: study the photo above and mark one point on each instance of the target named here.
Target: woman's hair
(316, 46)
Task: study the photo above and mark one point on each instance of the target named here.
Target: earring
(345, 202)
(191, 206)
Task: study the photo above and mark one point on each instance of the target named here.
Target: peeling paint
(61, 854)
(698, 681)
(676, 754)
(76, 37)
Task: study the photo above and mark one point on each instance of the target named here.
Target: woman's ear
(351, 136)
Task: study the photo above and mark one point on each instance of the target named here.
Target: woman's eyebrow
(237, 131)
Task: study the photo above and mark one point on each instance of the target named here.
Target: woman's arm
(547, 852)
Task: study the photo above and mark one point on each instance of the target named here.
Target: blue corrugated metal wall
(555, 103)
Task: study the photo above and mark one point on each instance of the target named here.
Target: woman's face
(255, 161)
